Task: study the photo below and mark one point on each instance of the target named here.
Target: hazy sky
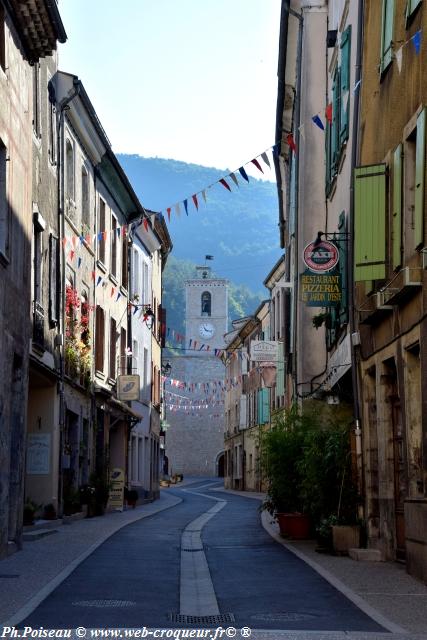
(193, 80)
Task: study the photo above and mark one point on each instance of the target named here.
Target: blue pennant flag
(416, 39)
(316, 119)
(276, 150)
(186, 206)
(243, 174)
(79, 263)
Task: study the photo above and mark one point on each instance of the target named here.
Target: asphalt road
(135, 578)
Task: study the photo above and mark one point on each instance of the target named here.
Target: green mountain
(241, 301)
(239, 228)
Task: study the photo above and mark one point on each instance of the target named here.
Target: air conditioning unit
(404, 285)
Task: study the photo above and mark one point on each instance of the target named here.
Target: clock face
(207, 330)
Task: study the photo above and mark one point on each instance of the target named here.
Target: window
(36, 100)
(124, 258)
(113, 339)
(101, 231)
(37, 262)
(99, 338)
(410, 8)
(51, 122)
(85, 202)
(53, 279)
(206, 303)
(136, 275)
(386, 54)
(123, 349)
(413, 191)
(113, 266)
(145, 375)
(4, 206)
(69, 165)
(2, 38)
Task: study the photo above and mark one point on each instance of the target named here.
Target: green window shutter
(280, 379)
(265, 398)
(328, 158)
(397, 208)
(419, 178)
(335, 132)
(345, 84)
(343, 247)
(260, 406)
(387, 34)
(369, 222)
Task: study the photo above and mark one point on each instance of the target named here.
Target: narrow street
(153, 573)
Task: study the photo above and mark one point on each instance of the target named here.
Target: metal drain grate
(191, 550)
(104, 604)
(201, 620)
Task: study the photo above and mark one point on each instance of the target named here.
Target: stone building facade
(194, 407)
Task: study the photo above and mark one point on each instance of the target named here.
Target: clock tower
(206, 310)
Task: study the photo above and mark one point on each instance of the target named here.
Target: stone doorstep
(366, 555)
(30, 536)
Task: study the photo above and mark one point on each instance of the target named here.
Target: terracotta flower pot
(294, 525)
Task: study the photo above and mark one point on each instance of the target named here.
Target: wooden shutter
(419, 179)
(369, 222)
(387, 34)
(342, 267)
(280, 379)
(53, 279)
(335, 132)
(99, 339)
(396, 223)
(345, 84)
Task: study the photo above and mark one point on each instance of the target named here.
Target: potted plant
(281, 450)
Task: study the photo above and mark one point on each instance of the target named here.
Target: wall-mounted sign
(264, 350)
(321, 256)
(339, 362)
(38, 454)
(128, 387)
(320, 290)
(117, 488)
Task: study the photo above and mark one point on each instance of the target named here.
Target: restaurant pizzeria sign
(320, 284)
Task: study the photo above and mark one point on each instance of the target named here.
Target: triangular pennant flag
(225, 184)
(93, 275)
(99, 280)
(264, 156)
(72, 254)
(145, 224)
(416, 39)
(257, 164)
(135, 310)
(204, 195)
(328, 112)
(243, 174)
(196, 203)
(104, 236)
(79, 262)
(168, 211)
(88, 238)
(276, 149)
(119, 295)
(186, 206)
(112, 292)
(118, 232)
(64, 242)
(234, 179)
(317, 121)
(399, 55)
(291, 142)
(177, 209)
(82, 239)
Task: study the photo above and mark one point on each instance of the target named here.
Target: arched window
(206, 303)
(69, 164)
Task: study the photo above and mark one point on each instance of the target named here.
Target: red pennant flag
(93, 276)
(146, 224)
(328, 112)
(169, 213)
(72, 255)
(257, 164)
(64, 242)
(291, 142)
(225, 184)
(112, 292)
(88, 238)
(196, 204)
(104, 236)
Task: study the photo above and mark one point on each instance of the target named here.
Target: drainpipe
(61, 285)
(350, 255)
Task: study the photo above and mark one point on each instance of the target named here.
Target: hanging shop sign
(264, 350)
(321, 289)
(128, 387)
(321, 256)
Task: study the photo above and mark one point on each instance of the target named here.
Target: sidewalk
(382, 589)
(28, 576)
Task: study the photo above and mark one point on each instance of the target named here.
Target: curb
(335, 582)
(45, 591)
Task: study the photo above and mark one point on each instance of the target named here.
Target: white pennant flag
(177, 209)
(204, 194)
(399, 55)
(234, 179)
(264, 156)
